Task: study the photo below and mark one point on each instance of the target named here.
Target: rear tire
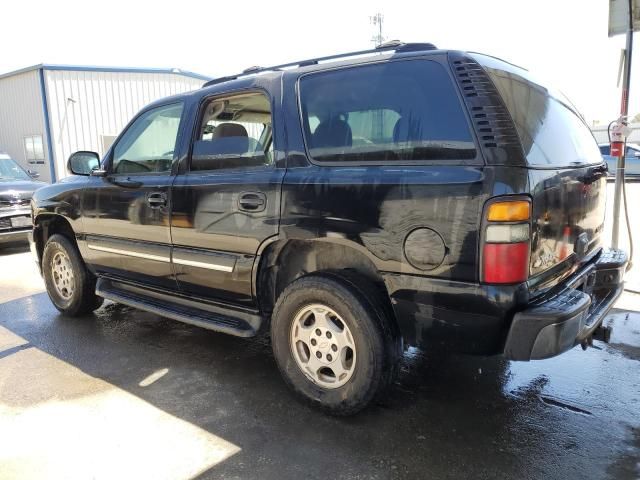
(70, 286)
(333, 345)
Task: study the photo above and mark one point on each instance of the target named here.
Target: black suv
(412, 196)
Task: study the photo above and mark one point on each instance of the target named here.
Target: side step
(238, 323)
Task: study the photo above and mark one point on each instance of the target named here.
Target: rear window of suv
(550, 130)
(393, 112)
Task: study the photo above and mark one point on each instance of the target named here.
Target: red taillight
(505, 262)
(505, 253)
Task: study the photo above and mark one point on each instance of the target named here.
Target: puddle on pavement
(588, 382)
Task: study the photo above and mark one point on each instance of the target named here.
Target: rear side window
(393, 112)
(235, 132)
(551, 132)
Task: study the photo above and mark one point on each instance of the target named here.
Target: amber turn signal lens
(513, 211)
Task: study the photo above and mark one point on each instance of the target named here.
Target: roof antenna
(377, 20)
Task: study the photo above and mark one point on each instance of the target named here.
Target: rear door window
(235, 132)
(393, 112)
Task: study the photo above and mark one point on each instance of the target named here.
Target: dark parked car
(412, 197)
(631, 162)
(16, 188)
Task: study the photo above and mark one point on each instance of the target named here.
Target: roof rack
(393, 45)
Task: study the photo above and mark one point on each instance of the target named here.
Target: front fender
(63, 199)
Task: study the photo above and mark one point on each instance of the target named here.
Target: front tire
(333, 344)
(70, 286)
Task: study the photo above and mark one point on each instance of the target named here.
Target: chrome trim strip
(209, 266)
(129, 253)
(179, 261)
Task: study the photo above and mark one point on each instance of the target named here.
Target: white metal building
(48, 112)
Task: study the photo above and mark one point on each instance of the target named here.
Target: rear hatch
(566, 173)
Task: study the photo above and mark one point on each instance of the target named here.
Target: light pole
(622, 20)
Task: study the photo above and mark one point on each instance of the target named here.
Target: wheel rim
(62, 275)
(323, 346)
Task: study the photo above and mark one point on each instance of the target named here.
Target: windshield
(10, 170)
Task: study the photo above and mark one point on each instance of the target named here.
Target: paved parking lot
(126, 394)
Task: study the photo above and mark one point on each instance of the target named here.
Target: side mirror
(33, 174)
(83, 163)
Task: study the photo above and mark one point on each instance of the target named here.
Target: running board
(238, 323)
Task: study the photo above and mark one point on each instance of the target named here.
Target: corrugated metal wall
(21, 115)
(85, 106)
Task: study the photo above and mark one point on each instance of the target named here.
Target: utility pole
(624, 112)
(377, 20)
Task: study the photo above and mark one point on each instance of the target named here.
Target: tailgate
(567, 219)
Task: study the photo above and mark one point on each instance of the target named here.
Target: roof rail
(392, 45)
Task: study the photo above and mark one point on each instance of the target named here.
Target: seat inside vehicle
(331, 133)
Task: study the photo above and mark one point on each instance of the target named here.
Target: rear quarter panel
(376, 208)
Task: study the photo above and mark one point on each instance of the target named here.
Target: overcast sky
(563, 40)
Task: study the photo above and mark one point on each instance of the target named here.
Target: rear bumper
(571, 315)
(461, 317)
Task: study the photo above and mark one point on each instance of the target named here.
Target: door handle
(252, 201)
(125, 182)
(157, 200)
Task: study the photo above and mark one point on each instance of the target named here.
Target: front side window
(149, 143)
(392, 112)
(234, 132)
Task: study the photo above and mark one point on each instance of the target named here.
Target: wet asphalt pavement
(575, 416)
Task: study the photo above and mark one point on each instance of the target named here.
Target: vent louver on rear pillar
(491, 120)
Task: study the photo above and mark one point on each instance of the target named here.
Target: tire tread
(87, 301)
(342, 283)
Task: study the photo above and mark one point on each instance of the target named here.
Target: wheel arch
(48, 224)
(283, 261)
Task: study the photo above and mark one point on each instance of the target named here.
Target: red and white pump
(618, 132)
